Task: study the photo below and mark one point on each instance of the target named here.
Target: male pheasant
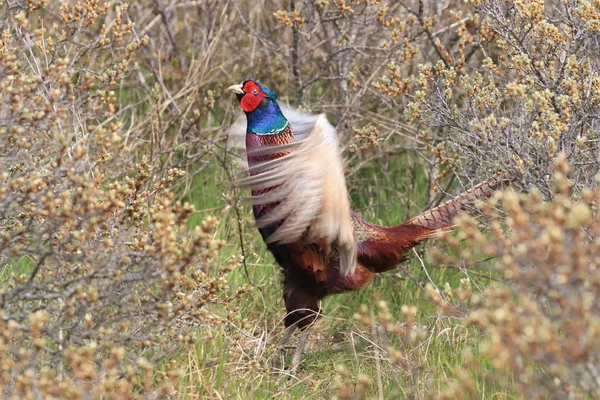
(302, 209)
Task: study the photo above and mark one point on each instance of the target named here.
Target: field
(130, 266)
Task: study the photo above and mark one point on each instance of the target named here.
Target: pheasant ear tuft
(270, 94)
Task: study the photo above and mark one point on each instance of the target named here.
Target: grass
(232, 361)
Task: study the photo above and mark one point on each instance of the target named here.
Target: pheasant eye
(254, 91)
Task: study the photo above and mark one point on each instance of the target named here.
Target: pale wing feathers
(236, 134)
(302, 123)
(309, 183)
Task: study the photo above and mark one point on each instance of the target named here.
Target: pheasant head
(260, 105)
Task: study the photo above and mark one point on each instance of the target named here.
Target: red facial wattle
(253, 95)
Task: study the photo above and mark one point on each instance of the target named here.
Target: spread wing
(309, 185)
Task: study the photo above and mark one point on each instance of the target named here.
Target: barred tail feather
(441, 217)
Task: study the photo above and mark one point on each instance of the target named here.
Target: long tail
(382, 247)
(441, 217)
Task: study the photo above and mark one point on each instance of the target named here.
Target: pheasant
(302, 209)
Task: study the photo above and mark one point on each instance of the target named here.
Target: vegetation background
(130, 269)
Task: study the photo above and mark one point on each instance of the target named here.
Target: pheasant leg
(277, 360)
(297, 357)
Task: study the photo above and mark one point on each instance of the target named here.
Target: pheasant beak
(237, 89)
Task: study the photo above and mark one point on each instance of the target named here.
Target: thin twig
(295, 58)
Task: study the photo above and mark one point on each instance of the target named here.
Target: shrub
(543, 320)
(100, 275)
(517, 85)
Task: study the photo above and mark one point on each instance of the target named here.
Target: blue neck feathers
(266, 119)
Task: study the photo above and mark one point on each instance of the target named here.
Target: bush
(543, 321)
(517, 84)
(100, 275)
